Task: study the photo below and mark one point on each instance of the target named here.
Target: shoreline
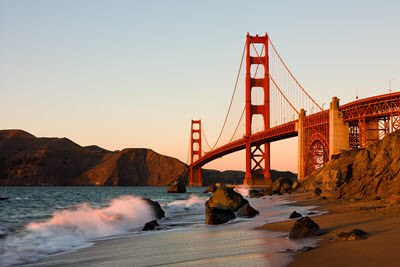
(381, 220)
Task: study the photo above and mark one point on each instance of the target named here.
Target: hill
(29, 160)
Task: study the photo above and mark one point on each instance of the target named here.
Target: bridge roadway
(372, 107)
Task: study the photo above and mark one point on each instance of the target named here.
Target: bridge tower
(257, 155)
(195, 178)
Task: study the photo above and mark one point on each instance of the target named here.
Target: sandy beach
(379, 219)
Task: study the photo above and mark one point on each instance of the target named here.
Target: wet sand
(379, 219)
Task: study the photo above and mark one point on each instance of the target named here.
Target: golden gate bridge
(276, 107)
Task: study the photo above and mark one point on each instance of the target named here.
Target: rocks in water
(355, 234)
(149, 226)
(305, 227)
(157, 210)
(247, 211)
(4, 198)
(222, 205)
(281, 185)
(177, 187)
(211, 189)
(216, 216)
(311, 213)
(295, 215)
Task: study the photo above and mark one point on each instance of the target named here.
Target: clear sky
(133, 73)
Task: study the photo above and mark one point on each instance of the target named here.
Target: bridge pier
(301, 166)
(338, 129)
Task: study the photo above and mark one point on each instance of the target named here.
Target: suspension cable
(205, 138)
(233, 94)
(237, 126)
(272, 79)
(297, 82)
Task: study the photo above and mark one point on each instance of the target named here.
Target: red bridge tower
(257, 155)
(195, 178)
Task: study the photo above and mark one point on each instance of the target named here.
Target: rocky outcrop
(363, 173)
(281, 185)
(304, 228)
(177, 187)
(222, 205)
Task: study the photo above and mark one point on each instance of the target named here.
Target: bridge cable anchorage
(294, 78)
(272, 79)
(233, 95)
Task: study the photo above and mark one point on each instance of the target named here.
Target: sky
(134, 73)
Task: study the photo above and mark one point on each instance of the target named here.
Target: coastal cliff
(371, 172)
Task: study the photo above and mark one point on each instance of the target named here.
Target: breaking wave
(74, 228)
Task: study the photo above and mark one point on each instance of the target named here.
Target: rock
(216, 216)
(295, 186)
(4, 198)
(210, 189)
(305, 227)
(281, 185)
(157, 210)
(295, 215)
(150, 226)
(177, 187)
(355, 234)
(324, 198)
(226, 198)
(311, 213)
(253, 193)
(247, 211)
(317, 191)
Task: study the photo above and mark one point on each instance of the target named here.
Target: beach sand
(379, 219)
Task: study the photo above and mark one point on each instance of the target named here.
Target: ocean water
(38, 222)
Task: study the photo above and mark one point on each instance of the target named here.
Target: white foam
(72, 229)
(193, 203)
(243, 190)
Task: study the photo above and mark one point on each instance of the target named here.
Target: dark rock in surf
(295, 215)
(149, 226)
(177, 187)
(4, 198)
(155, 206)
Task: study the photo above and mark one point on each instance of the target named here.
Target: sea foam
(74, 228)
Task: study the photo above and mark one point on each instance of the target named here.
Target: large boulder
(177, 187)
(305, 227)
(295, 215)
(155, 206)
(247, 211)
(216, 216)
(226, 198)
